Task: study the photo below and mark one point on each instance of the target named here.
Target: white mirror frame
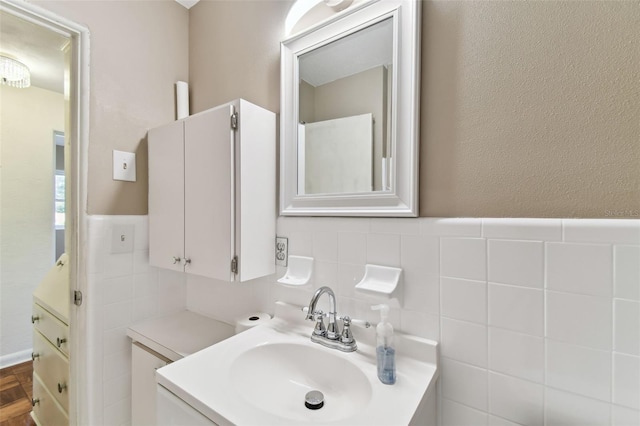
(402, 200)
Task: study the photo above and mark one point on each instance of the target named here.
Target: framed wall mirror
(349, 113)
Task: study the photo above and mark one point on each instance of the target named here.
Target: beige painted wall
(28, 118)
(529, 109)
(138, 50)
(234, 52)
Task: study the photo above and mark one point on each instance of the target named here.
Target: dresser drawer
(52, 367)
(52, 328)
(46, 410)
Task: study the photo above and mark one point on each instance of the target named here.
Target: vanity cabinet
(161, 341)
(212, 193)
(172, 411)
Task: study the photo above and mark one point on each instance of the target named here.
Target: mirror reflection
(344, 111)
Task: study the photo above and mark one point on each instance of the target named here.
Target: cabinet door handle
(176, 260)
(34, 319)
(34, 355)
(61, 387)
(34, 402)
(60, 341)
(187, 261)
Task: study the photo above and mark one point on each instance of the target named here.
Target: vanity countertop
(260, 376)
(180, 334)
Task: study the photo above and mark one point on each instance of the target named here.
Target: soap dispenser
(385, 350)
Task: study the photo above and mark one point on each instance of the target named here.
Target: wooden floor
(16, 389)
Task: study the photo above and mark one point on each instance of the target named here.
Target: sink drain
(314, 400)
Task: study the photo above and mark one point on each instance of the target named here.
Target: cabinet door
(166, 196)
(172, 411)
(143, 385)
(255, 191)
(209, 193)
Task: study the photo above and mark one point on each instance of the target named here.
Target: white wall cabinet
(212, 197)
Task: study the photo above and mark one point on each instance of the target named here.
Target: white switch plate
(124, 166)
(122, 238)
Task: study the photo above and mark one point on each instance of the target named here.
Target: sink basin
(276, 378)
(261, 377)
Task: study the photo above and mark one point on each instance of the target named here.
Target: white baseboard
(15, 358)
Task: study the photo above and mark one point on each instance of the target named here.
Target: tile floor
(15, 395)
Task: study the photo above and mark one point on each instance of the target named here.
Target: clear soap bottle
(385, 350)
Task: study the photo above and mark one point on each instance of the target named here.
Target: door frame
(76, 207)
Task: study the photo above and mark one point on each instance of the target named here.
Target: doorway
(56, 52)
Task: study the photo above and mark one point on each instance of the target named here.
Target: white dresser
(50, 319)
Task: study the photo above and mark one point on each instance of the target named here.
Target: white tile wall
(537, 318)
(580, 268)
(516, 262)
(465, 383)
(627, 326)
(463, 258)
(580, 319)
(464, 299)
(455, 414)
(122, 289)
(464, 341)
(516, 308)
(626, 272)
(524, 306)
(563, 408)
(515, 399)
(626, 380)
(579, 369)
(519, 355)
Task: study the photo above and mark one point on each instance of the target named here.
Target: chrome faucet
(330, 336)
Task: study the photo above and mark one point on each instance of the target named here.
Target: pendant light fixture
(14, 73)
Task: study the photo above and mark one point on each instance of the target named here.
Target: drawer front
(47, 411)
(52, 367)
(52, 328)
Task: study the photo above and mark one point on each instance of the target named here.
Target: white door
(209, 193)
(166, 196)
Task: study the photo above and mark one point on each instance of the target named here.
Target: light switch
(122, 238)
(124, 166)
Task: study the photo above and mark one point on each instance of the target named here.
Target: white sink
(261, 377)
(276, 377)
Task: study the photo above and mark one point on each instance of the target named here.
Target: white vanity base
(172, 411)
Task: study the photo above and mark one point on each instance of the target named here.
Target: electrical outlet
(282, 251)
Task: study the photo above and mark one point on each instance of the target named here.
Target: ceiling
(38, 48)
(188, 3)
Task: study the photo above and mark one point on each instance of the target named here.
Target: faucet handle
(356, 322)
(320, 329)
(346, 337)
